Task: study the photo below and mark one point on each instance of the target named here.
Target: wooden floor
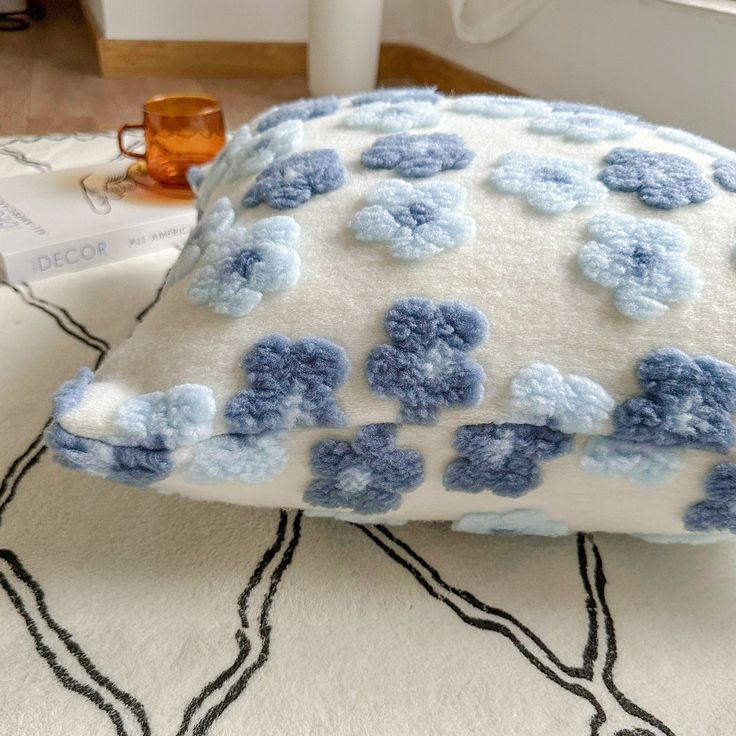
(49, 82)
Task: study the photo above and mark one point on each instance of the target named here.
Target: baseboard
(253, 60)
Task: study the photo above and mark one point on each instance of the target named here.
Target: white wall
(669, 62)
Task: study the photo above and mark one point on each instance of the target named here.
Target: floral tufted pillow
(513, 314)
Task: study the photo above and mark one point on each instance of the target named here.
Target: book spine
(79, 254)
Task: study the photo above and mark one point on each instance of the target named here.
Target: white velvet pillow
(513, 314)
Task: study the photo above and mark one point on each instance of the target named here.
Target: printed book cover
(69, 220)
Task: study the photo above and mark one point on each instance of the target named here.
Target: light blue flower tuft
(500, 106)
(503, 458)
(135, 466)
(541, 395)
(292, 181)
(212, 225)
(693, 141)
(414, 221)
(71, 392)
(583, 107)
(313, 107)
(717, 512)
(369, 475)
(638, 462)
(583, 127)
(418, 156)
(361, 519)
(517, 521)
(660, 180)
(249, 458)
(428, 367)
(641, 261)
(724, 172)
(246, 264)
(551, 184)
(405, 94)
(165, 420)
(386, 117)
(683, 538)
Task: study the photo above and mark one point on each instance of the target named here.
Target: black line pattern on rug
(10, 483)
(124, 707)
(614, 714)
(22, 159)
(252, 652)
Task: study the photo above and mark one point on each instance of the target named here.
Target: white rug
(134, 614)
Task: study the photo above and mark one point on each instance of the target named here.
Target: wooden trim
(201, 59)
(424, 67)
(244, 60)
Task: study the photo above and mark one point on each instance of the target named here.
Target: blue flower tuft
(583, 127)
(251, 458)
(418, 156)
(246, 155)
(718, 511)
(724, 172)
(551, 184)
(246, 264)
(502, 458)
(427, 367)
(404, 94)
(212, 226)
(293, 181)
(414, 221)
(165, 420)
(291, 385)
(500, 106)
(541, 395)
(386, 117)
(132, 465)
(71, 392)
(641, 261)
(687, 402)
(313, 107)
(638, 462)
(368, 475)
(661, 180)
(517, 521)
(362, 519)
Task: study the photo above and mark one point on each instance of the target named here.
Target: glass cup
(181, 130)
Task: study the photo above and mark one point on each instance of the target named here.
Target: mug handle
(121, 145)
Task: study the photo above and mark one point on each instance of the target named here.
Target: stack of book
(65, 221)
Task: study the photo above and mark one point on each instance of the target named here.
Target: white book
(69, 220)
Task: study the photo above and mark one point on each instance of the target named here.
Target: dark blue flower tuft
(687, 402)
(315, 107)
(291, 385)
(724, 172)
(405, 94)
(718, 511)
(427, 368)
(293, 181)
(503, 458)
(368, 475)
(418, 156)
(135, 466)
(661, 180)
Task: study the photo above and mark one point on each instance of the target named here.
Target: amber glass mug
(180, 131)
